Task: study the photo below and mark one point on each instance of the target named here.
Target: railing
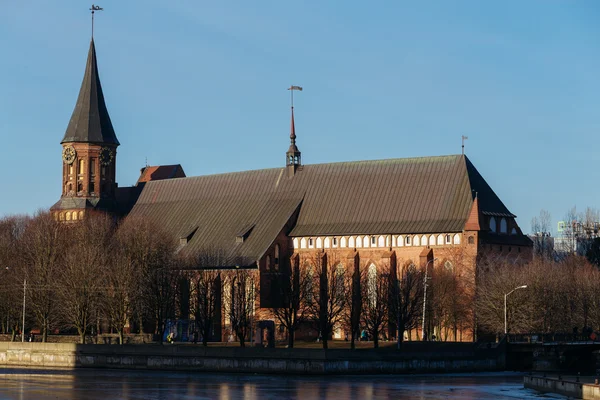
(554, 338)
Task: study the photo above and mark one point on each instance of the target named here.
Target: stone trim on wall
(377, 241)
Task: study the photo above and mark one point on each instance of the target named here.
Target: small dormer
(243, 234)
(187, 237)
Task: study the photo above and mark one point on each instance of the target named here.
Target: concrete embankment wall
(565, 387)
(248, 360)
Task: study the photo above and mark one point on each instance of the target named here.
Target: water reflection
(134, 385)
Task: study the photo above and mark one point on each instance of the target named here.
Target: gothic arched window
(493, 224)
(372, 285)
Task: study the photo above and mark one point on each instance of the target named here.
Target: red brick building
(397, 212)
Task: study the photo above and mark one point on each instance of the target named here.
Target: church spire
(293, 130)
(90, 122)
(293, 156)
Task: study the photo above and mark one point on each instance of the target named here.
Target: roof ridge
(423, 158)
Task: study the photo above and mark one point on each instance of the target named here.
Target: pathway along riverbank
(415, 358)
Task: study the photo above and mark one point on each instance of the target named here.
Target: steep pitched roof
(489, 203)
(412, 195)
(472, 223)
(90, 122)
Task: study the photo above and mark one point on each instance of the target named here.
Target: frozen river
(113, 384)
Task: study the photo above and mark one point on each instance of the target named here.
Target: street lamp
(425, 299)
(505, 315)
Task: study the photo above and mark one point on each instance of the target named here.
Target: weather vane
(463, 143)
(291, 89)
(93, 10)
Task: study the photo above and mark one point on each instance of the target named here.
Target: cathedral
(398, 212)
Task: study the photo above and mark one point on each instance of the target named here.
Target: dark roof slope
(158, 172)
(412, 195)
(90, 122)
(489, 203)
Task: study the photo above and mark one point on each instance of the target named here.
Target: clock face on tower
(69, 154)
(106, 156)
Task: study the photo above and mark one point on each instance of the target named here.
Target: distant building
(576, 237)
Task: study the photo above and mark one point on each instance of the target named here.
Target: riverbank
(414, 358)
(571, 386)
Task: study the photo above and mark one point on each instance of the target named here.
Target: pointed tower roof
(293, 148)
(472, 223)
(90, 122)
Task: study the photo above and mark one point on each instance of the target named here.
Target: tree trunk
(163, 327)
(242, 341)
(81, 336)
(290, 338)
(45, 334)
(121, 336)
(206, 332)
(352, 342)
(375, 341)
(400, 334)
(325, 346)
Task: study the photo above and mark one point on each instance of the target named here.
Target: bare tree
(352, 313)
(82, 283)
(407, 299)
(161, 274)
(42, 250)
(443, 290)
(541, 228)
(13, 272)
(292, 308)
(206, 293)
(327, 299)
(133, 252)
(451, 300)
(240, 296)
(376, 294)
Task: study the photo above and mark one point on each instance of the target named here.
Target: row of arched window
(377, 241)
(68, 216)
(503, 226)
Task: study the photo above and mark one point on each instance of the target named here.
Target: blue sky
(204, 84)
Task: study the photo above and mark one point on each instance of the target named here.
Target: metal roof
(90, 122)
(411, 195)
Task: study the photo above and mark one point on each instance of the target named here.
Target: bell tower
(89, 150)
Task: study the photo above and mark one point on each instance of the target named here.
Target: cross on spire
(93, 10)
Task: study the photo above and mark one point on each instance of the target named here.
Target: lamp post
(24, 292)
(425, 299)
(505, 314)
